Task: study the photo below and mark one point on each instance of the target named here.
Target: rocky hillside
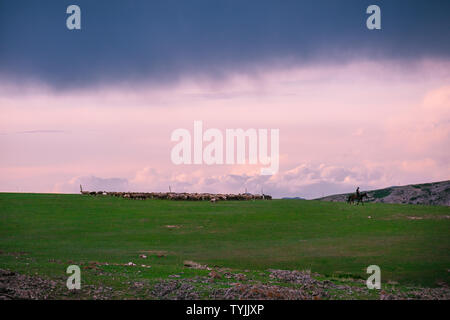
(436, 193)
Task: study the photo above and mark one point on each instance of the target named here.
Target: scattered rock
(17, 286)
(436, 193)
(240, 277)
(304, 286)
(175, 290)
(215, 275)
(194, 265)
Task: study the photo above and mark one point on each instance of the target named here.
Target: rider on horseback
(358, 197)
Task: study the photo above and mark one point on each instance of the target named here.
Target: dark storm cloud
(159, 41)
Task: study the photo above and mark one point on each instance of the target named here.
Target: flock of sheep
(180, 196)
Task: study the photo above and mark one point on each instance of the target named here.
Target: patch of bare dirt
(422, 217)
(442, 293)
(264, 292)
(433, 217)
(195, 265)
(175, 290)
(284, 285)
(158, 253)
(16, 286)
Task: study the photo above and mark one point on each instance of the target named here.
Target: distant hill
(436, 193)
(293, 198)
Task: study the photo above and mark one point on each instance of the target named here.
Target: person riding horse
(357, 196)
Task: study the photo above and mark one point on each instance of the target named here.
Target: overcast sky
(97, 106)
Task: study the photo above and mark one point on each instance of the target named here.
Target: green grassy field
(43, 233)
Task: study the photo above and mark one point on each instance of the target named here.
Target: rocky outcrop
(436, 193)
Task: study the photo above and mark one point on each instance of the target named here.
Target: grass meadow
(41, 234)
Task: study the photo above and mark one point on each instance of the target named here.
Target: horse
(359, 199)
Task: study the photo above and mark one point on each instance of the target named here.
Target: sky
(97, 106)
